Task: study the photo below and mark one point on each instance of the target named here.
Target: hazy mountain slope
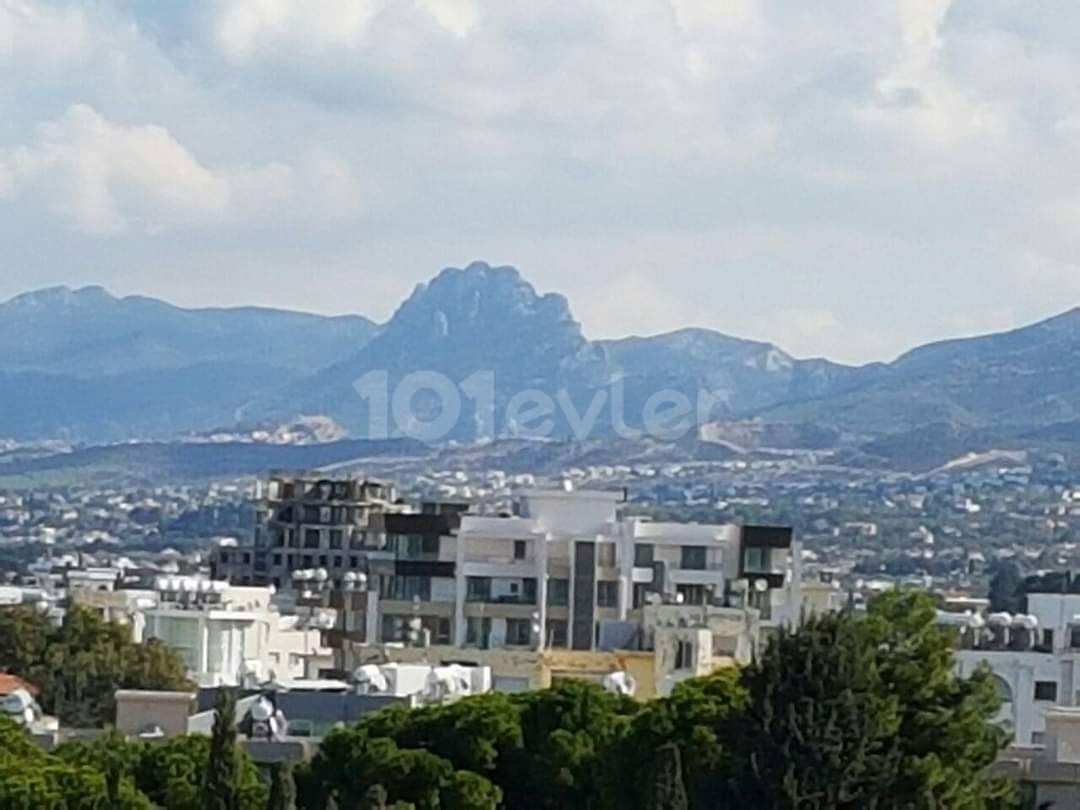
(84, 364)
(489, 319)
(89, 333)
(1003, 384)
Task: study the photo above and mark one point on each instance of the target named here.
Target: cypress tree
(220, 790)
(668, 791)
(282, 788)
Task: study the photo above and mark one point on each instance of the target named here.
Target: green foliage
(945, 737)
(220, 791)
(821, 727)
(170, 774)
(571, 735)
(700, 717)
(79, 665)
(31, 779)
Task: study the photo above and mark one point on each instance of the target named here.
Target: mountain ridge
(225, 367)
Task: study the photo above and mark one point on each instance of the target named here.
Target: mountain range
(86, 366)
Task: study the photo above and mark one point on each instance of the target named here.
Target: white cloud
(880, 164)
(107, 178)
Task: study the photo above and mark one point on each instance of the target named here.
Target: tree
(946, 736)
(79, 665)
(282, 788)
(821, 728)
(700, 717)
(31, 779)
(220, 791)
(668, 792)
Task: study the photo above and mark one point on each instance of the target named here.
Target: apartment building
(224, 634)
(308, 521)
(1034, 658)
(561, 571)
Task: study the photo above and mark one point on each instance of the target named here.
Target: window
(478, 589)
(224, 556)
(1046, 690)
(247, 559)
(478, 632)
(311, 514)
(354, 562)
(643, 555)
(311, 538)
(405, 588)
(336, 538)
(756, 560)
(684, 655)
(641, 594)
(395, 628)
(518, 632)
(558, 592)
(693, 558)
(277, 538)
(307, 561)
(605, 555)
(556, 633)
(520, 547)
(288, 491)
(324, 561)
(277, 559)
(691, 594)
(607, 594)
(413, 546)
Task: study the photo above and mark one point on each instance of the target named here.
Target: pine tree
(821, 729)
(668, 791)
(220, 790)
(282, 788)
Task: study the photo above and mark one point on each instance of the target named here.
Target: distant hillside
(178, 461)
(84, 365)
(489, 319)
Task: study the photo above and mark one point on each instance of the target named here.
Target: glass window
(518, 632)
(520, 548)
(643, 555)
(478, 589)
(336, 538)
(311, 538)
(691, 594)
(406, 588)
(693, 558)
(1046, 690)
(641, 593)
(607, 593)
(556, 633)
(756, 560)
(558, 594)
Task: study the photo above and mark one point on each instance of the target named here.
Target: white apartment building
(225, 635)
(563, 569)
(1034, 657)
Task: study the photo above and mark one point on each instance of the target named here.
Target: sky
(846, 179)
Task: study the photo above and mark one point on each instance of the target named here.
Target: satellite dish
(761, 585)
